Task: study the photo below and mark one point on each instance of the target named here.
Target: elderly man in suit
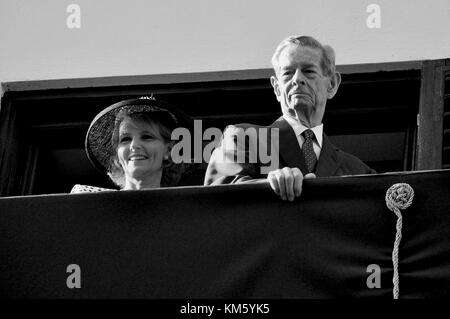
(305, 78)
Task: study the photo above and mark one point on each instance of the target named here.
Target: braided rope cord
(398, 197)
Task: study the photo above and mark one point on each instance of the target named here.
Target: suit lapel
(290, 152)
(328, 161)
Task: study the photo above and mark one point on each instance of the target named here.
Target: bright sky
(129, 37)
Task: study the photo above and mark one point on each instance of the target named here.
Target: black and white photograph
(224, 158)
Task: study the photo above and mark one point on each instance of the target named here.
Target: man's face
(300, 85)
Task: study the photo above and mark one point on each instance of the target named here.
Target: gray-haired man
(305, 78)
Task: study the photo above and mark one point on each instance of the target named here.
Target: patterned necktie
(308, 150)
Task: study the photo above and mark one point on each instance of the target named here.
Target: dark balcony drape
(232, 241)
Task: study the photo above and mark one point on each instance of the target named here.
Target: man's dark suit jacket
(224, 168)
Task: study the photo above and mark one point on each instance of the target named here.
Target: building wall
(136, 37)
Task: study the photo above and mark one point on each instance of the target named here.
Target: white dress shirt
(299, 129)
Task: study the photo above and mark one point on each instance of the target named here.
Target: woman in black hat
(130, 141)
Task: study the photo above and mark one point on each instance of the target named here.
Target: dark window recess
(446, 132)
(373, 116)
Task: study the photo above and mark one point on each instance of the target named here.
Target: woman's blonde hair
(171, 172)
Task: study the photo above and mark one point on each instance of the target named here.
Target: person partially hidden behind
(130, 141)
(305, 78)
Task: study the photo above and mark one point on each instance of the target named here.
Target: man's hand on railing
(287, 182)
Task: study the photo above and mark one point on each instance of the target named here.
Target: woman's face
(141, 149)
